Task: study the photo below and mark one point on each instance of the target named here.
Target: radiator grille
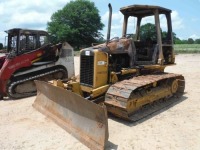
(87, 70)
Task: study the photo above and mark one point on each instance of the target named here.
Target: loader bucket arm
(83, 119)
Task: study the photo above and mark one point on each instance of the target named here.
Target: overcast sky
(35, 14)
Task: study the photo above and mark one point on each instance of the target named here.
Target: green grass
(187, 48)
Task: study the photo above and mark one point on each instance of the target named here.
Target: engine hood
(115, 46)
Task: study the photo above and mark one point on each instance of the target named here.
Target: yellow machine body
(122, 77)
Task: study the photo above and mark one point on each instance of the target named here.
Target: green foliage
(1, 46)
(197, 41)
(148, 31)
(187, 48)
(190, 41)
(164, 36)
(77, 23)
(178, 41)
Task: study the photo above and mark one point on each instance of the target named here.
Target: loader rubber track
(11, 88)
(141, 96)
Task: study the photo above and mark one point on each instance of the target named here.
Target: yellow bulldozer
(122, 76)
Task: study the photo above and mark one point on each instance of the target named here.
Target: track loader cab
(22, 41)
(32, 57)
(150, 44)
(25, 40)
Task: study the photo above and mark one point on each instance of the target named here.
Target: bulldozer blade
(83, 119)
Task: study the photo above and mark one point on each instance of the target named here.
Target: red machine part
(11, 65)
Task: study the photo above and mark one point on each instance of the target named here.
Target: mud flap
(83, 119)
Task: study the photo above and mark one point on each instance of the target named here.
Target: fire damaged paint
(124, 98)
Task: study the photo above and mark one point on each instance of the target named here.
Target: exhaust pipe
(109, 23)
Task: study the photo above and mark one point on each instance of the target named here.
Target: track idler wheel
(174, 86)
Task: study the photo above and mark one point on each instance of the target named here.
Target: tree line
(188, 41)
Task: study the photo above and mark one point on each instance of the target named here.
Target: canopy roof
(26, 31)
(143, 10)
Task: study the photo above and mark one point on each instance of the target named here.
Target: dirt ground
(176, 127)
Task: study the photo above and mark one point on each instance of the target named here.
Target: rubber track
(20, 95)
